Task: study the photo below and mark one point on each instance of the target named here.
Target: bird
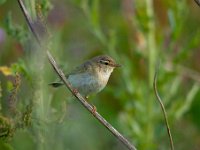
(92, 76)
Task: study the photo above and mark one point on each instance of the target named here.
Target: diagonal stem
(79, 97)
(198, 2)
(88, 106)
(28, 20)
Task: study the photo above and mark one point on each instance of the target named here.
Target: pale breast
(86, 84)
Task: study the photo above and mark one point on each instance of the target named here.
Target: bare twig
(88, 106)
(198, 2)
(162, 106)
(79, 97)
(28, 20)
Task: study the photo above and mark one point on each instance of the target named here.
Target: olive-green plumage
(91, 76)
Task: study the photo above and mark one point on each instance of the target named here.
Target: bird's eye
(105, 62)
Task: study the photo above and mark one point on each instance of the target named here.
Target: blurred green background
(137, 34)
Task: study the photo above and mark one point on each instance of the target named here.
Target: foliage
(137, 34)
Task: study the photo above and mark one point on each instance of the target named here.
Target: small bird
(91, 76)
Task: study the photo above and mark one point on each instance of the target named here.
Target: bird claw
(75, 91)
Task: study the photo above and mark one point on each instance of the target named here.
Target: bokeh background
(137, 34)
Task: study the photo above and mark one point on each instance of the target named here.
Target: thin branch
(88, 106)
(29, 21)
(163, 107)
(79, 97)
(198, 2)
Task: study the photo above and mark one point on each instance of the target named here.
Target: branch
(79, 97)
(29, 21)
(198, 2)
(162, 107)
(88, 106)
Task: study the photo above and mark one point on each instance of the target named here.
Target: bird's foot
(75, 91)
(94, 109)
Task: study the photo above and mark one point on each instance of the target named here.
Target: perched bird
(91, 76)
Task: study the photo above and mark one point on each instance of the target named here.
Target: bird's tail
(56, 84)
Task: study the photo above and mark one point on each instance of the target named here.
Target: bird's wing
(85, 67)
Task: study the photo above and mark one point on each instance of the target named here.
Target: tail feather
(56, 84)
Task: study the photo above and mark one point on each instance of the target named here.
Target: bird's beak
(117, 65)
